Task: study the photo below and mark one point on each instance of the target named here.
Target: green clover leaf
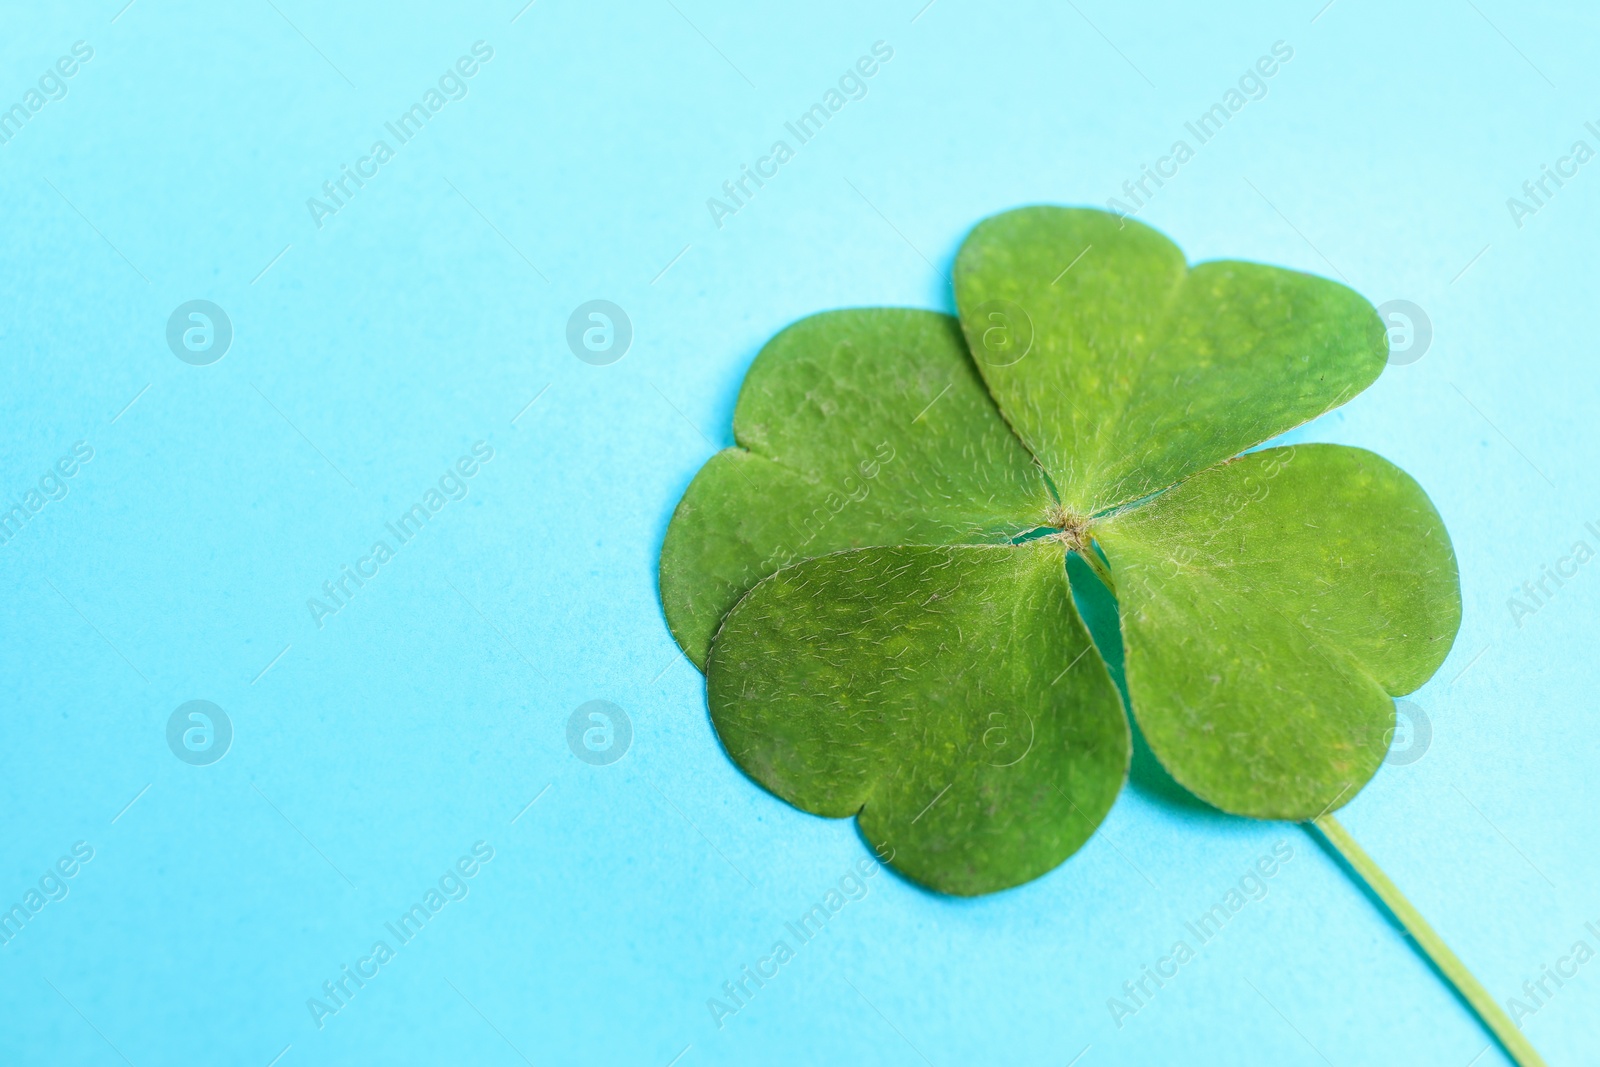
(874, 580)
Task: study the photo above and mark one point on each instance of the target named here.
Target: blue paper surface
(373, 737)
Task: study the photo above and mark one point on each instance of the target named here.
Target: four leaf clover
(875, 579)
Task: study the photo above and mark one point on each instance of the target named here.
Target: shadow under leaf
(1098, 607)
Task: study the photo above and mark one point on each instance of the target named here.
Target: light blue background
(429, 712)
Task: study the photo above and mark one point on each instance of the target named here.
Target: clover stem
(1447, 963)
